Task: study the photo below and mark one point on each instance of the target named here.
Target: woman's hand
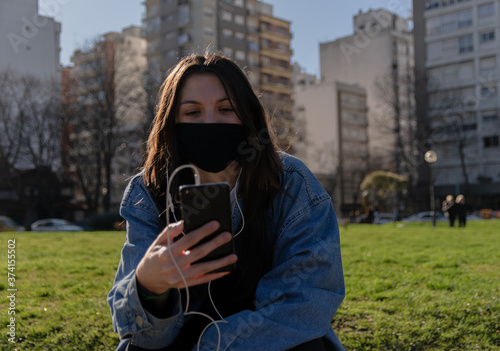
(157, 272)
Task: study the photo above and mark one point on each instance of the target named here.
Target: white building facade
(379, 57)
(462, 66)
(29, 42)
(331, 123)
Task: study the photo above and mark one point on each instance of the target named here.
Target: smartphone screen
(203, 203)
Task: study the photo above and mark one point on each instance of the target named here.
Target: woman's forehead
(202, 85)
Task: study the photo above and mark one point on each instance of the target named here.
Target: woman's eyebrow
(197, 102)
(188, 102)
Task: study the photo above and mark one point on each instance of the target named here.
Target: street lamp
(431, 157)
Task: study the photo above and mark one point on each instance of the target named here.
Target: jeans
(321, 344)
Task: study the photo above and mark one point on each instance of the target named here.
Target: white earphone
(169, 203)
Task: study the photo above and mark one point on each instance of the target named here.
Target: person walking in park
(448, 207)
(460, 210)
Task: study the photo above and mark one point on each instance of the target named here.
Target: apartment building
(245, 30)
(29, 47)
(458, 67)
(104, 87)
(331, 119)
(379, 57)
(30, 42)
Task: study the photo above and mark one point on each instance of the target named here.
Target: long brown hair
(261, 168)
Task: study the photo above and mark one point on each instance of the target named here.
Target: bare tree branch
(107, 97)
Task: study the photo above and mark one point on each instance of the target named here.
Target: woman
(288, 282)
(449, 209)
(460, 210)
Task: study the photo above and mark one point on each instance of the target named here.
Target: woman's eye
(226, 109)
(192, 113)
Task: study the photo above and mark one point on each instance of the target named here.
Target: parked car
(7, 224)
(425, 217)
(383, 218)
(55, 225)
(474, 216)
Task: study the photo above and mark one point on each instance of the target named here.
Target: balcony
(275, 30)
(276, 49)
(150, 32)
(151, 12)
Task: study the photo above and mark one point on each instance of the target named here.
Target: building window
(227, 16)
(168, 18)
(431, 4)
(227, 33)
(183, 39)
(153, 25)
(239, 36)
(239, 19)
(450, 72)
(183, 14)
(433, 25)
(434, 51)
(465, 44)
(487, 63)
(266, 43)
(238, 3)
(470, 126)
(240, 55)
(490, 115)
(170, 53)
(153, 10)
(487, 36)
(434, 4)
(170, 35)
(208, 31)
(253, 45)
(486, 10)
(487, 92)
(449, 47)
(227, 51)
(465, 19)
(208, 12)
(490, 142)
(449, 22)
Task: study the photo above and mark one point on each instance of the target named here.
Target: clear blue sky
(313, 21)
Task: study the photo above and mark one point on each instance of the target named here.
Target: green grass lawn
(416, 287)
(408, 288)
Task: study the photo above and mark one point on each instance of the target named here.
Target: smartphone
(203, 203)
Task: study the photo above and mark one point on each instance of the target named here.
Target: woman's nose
(210, 116)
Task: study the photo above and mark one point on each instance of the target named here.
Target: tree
(282, 121)
(397, 120)
(105, 110)
(453, 125)
(152, 81)
(383, 188)
(30, 138)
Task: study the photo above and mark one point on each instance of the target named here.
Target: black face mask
(209, 146)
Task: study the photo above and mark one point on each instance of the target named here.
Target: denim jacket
(295, 300)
